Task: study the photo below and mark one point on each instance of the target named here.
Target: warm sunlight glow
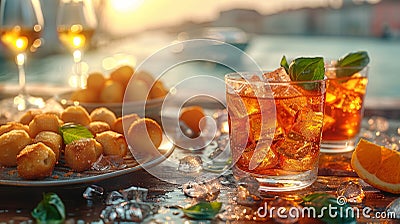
(125, 5)
(21, 43)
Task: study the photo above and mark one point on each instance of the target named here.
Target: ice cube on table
(208, 190)
(189, 164)
(352, 191)
(134, 193)
(128, 211)
(114, 198)
(93, 191)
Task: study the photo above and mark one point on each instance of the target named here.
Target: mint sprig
(354, 61)
(203, 210)
(49, 210)
(71, 132)
(304, 68)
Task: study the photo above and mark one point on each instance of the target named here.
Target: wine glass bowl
(21, 26)
(76, 24)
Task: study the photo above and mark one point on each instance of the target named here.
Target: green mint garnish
(71, 132)
(285, 64)
(50, 210)
(203, 210)
(307, 69)
(322, 202)
(358, 59)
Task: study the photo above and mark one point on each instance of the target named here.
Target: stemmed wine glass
(21, 25)
(76, 23)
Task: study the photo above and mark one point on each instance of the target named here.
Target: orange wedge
(377, 165)
(192, 116)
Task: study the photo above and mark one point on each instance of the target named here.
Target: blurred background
(129, 31)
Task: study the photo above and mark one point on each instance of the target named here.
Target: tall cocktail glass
(275, 129)
(344, 107)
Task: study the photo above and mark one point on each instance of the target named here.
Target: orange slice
(192, 116)
(377, 165)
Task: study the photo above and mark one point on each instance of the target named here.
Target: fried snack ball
(85, 95)
(81, 154)
(52, 140)
(124, 121)
(113, 143)
(96, 127)
(122, 74)
(11, 143)
(112, 92)
(28, 116)
(137, 91)
(76, 115)
(36, 161)
(13, 126)
(157, 90)
(103, 114)
(44, 122)
(95, 81)
(145, 77)
(144, 135)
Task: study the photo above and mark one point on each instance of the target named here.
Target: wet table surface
(165, 195)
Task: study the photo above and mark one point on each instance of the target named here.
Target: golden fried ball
(146, 77)
(157, 90)
(122, 74)
(11, 143)
(36, 161)
(52, 140)
(144, 135)
(85, 95)
(112, 92)
(76, 115)
(138, 90)
(96, 127)
(103, 114)
(13, 126)
(28, 116)
(95, 81)
(124, 121)
(44, 122)
(81, 154)
(113, 143)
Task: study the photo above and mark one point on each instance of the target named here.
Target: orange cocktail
(343, 108)
(275, 129)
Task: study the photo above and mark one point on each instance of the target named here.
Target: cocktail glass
(275, 129)
(345, 93)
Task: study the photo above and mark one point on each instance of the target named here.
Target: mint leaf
(285, 64)
(359, 59)
(50, 210)
(71, 132)
(307, 69)
(203, 210)
(328, 209)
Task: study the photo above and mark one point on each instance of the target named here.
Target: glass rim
(236, 78)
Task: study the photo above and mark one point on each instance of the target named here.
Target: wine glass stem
(20, 60)
(78, 68)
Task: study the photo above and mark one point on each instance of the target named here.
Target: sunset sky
(125, 16)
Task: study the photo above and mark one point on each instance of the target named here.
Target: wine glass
(76, 23)
(21, 25)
